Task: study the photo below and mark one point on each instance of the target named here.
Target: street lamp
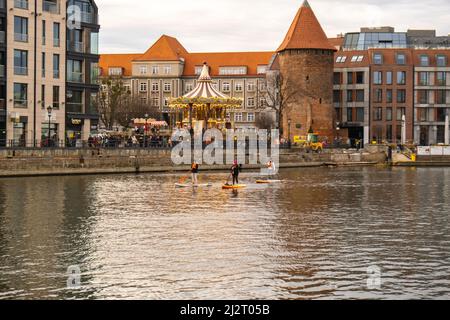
(145, 130)
(49, 113)
(289, 133)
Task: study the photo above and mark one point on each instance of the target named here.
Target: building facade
(37, 63)
(167, 70)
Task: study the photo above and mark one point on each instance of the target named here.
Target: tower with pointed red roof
(306, 62)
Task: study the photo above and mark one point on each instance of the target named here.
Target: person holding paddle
(194, 171)
(235, 170)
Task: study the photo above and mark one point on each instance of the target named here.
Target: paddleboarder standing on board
(194, 171)
(235, 170)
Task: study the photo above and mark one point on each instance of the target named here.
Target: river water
(317, 235)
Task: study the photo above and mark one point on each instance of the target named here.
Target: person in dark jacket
(194, 171)
(235, 170)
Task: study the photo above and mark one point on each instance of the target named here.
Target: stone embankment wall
(68, 161)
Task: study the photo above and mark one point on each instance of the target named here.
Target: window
(189, 87)
(441, 78)
(401, 58)
(422, 114)
(441, 97)
(440, 114)
(44, 32)
(226, 87)
(74, 70)
(238, 117)
(251, 102)
(360, 114)
(349, 114)
(354, 58)
(155, 70)
(43, 64)
(21, 4)
(401, 96)
(422, 96)
(115, 71)
(262, 69)
(20, 62)
(341, 59)
(20, 29)
(360, 95)
(389, 77)
(337, 78)
(360, 77)
(250, 117)
(337, 96)
(378, 95)
(251, 86)
(167, 87)
(226, 71)
(43, 96)
(155, 102)
(20, 95)
(155, 87)
(378, 114)
(143, 87)
(167, 70)
(400, 113)
(423, 79)
(401, 77)
(143, 70)
(262, 102)
(389, 114)
(377, 77)
(166, 102)
(424, 61)
(349, 95)
(56, 66)
(198, 70)
(55, 97)
(389, 96)
(357, 58)
(56, 34)
(50, 6)
(377, 58)
(441, 61)
(389, 129)
(349, 77)
(238, 86)
(143, 100)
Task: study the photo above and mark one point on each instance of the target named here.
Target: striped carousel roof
(205, 88)
(205, 94)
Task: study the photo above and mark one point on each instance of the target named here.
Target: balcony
(21, 37)
(87, 17)
(49, 6)
(75, 46)
(21, 104)
(75, 77)
(20, 71)
(74, 107)
(21, 4)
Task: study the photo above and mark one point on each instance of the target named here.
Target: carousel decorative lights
(207, 105)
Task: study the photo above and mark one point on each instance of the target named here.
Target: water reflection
(312, 236)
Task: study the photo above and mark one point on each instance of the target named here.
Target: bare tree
(264, 120)
(133, 108)
(278, 95)
(110, 100)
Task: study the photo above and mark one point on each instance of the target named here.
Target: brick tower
(306, 61)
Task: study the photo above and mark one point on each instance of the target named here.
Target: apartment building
(167, 70)
(35, 89)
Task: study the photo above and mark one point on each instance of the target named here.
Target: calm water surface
(311, 237)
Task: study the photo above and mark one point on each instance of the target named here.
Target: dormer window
(115, 71)
(424, 60)
(377, 58)
(341, 59)
(262, 69)
(226, 71)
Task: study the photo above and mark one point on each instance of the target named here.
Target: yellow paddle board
(236, 186)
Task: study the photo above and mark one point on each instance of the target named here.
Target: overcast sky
(131, 26)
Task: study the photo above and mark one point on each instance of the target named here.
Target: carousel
(205, 107)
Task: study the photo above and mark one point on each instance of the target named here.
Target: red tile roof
(306, 32)
(165, 49)
(123, 61)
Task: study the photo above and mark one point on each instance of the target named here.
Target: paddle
(228, 179)
(183, 179)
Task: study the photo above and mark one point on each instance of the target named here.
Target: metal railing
(75, 77)
(21, 4)
(18, 103)
(75, 46)
(21, 37)
(21, 71)
(51, 7)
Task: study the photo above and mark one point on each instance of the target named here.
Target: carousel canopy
(205, 94)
